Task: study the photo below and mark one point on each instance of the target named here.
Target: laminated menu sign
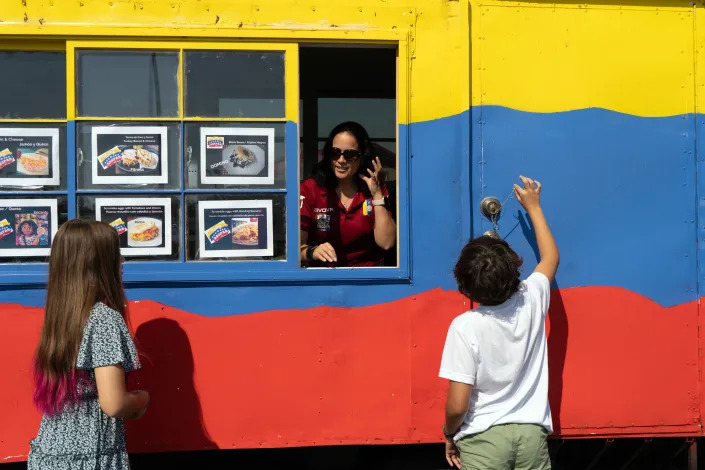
(27, 227)
(143, 224)
(237, 156)
(129, 155)
(29, 157)
(232, 229)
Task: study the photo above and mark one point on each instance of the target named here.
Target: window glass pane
(127, 84)
(32, 156)
(28, 226)
(222, 167)
(33, 85)
(148, 226)
(387, 153)
(236, 227)
(234, 84)
(145, 155)
(377, 115)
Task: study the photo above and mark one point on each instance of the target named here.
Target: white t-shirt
(501, 351)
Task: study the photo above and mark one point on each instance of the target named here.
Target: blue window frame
(181, 269)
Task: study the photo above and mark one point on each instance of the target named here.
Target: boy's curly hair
(487, 271)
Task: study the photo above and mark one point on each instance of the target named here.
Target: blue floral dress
(82, 436)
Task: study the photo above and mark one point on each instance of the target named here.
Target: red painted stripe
(619, 364)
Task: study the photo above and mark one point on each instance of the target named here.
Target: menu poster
(27, 227)
(129, 155)
(235, 229)
(143, 224)
(237, 156)
(29, 157)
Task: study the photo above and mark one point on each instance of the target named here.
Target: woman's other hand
(324, 252)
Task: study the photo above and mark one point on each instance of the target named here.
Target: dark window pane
(234, 84)
(127, 84)
(33, 85)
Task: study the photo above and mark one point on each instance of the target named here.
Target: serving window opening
(340, 84)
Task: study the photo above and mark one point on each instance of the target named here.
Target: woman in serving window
(345, 220)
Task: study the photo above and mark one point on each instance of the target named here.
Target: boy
(497, 412)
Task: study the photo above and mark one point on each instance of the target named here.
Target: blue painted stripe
(619, 194)
(435, 199)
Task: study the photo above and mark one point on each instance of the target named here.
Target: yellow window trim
(178, 119)
(232, 119)
(30, 120)
(31, 45)
(242, 35)
(291, 70)
(123, 118)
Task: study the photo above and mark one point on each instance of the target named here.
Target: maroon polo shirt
(350, 231)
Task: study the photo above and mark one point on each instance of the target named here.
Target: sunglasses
(350, 155)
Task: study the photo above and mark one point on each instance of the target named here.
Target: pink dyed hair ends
(53, 395)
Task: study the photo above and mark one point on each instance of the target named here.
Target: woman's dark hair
(31, 223)
(487, 271)
(322, 172)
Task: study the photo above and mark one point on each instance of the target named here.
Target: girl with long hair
(85, 351)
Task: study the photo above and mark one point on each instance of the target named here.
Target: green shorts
(506, 447)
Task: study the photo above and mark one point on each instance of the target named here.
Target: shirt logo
(323, 222)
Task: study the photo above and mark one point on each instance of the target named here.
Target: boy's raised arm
(529, 198)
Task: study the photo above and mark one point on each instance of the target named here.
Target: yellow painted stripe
(435, 82)
(440, 61)
(545, 58)
(532, 56)
(699, 46)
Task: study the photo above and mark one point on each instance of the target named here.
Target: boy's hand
(530, 196)
(452, 454)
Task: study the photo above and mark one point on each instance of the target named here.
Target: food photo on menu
(33, 162)
(141, 225)
(236, 231)
(26, 227)
(25, 157)
(32, 228)
(237, 155)
(129, 155)
(131, 159)
(233, 233)
(144, 231)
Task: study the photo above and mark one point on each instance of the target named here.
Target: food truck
(188, 125)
